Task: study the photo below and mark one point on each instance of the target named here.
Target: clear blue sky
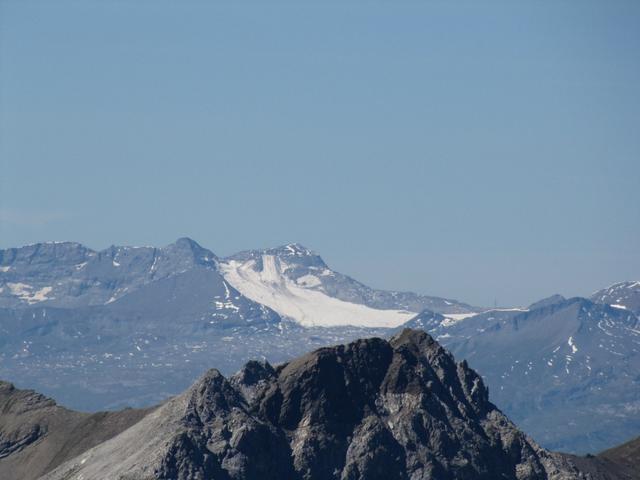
(476, 150)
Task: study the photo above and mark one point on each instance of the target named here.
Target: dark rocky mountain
(372, 409)
(618, 463)
(625, 295)
(556, 367)
(36, 435)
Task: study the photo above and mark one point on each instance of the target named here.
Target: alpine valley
(133, 326)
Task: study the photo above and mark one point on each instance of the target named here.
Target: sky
(484, 151)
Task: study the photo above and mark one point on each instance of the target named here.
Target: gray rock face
(67, 274)
(623, 295)
(371, 409)
(557, 367)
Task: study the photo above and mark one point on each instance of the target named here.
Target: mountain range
(372, 409)
(132, 326)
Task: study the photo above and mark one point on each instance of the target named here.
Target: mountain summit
(298, 284)
(373, 409)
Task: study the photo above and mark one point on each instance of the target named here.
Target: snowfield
(299, 301)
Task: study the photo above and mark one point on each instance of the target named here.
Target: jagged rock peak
(371, 409)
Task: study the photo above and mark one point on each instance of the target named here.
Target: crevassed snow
(308, 307)
(309, 281)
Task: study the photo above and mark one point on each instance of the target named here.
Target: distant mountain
(69, 275)
(625, 295)
(368, 410)
(134, 325)
(97, 329)
(556, 367)
(93, 329)
(296, 283)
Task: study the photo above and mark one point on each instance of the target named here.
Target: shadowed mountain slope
(372, 409)
(36, 435)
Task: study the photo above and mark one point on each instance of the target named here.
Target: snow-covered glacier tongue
(265, 280)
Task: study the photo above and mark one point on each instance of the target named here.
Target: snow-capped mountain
(625, 295)
(291, 280)
(556, 366)
(296, 283)
(133, 325)
(95, 328)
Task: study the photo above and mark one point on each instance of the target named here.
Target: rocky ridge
(371, 409)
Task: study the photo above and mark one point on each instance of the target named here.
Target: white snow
(5, 269)
(115, 264)
(615, 305)
(514, 309)
(305, 306)
(309, 281)
(574, 349)
(452, 318)
(227, 294)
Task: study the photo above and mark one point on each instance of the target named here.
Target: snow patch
(308, 307)
(5, 269)
(309, 281)
(453, 318)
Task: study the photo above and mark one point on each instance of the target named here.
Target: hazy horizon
(478, 152)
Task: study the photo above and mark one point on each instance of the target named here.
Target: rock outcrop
(372, 409)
